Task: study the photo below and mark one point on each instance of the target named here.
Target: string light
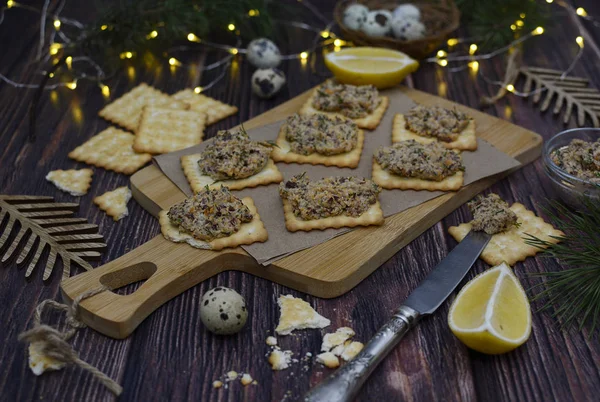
(174, 62)
(513, 27)
(105, 90)
(579, 41)
(510, 88)
(10, 3)
(443, 62)
(55, 47)
(472, 49)
(71, 85)
(126, 55)
(193, 38)
(325, 34)
(581, 12)
(338, 42)
(452, 42)
(253, 13)
(441, 54)
(538, 31)
(304, 55)
(104, 27)
(152, 35)
(51, 75)
(474, 65)
(231, 27)
(57, 24)
(198, 90)
(69, 62)
(233, 50)
(519, 23)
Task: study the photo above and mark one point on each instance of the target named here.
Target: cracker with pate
(466, 141)
(390, 181)
(73, 181)
(114, 202)
(332, 202)
(127, 110)
(368, 119)
(339, 141)
(232, 159)
(248, 233)
(111, 149)
(214, 109)
(165, 130)
(509, 246)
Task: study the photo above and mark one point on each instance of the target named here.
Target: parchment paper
(484, 162)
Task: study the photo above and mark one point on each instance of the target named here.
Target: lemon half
(491, 314)
(381, 67)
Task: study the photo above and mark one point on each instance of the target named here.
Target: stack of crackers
(151, 122)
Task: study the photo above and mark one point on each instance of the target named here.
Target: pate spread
(210, 214)
(331, 196)
(232, 155)
(424, 161)
(491, 214)
(350, 100)
(433, 121)
(580, 158)
(320, 134)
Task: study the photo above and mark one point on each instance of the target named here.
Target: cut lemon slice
(491, 314)
(381, 67)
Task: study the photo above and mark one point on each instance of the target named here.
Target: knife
(344, 384)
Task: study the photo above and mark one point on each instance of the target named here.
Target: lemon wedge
(381, 67)
(491, 314)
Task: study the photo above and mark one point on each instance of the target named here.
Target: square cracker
(467, 141)
(198, 181)
(111, 149)
(391, 181)
(166, 130)
(509, 246)
(73, 181)
(214, 109)
(283, 153)
(114, 202)
(127, 110)
(372, 216)
(370, 121)
(251, 232)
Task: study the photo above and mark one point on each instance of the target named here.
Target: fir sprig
(573, 293)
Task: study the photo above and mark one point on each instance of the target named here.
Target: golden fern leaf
(569, 92)
(47, 224)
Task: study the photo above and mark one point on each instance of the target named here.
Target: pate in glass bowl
(573, 167)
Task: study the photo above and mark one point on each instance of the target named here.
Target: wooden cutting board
(326, 270)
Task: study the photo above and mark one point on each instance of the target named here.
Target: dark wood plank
(171, 355)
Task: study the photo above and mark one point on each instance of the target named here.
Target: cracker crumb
(232, 375)
(336, 338)
(351, 350)
(271, 341)
(217, 384)
(328, 359)
(246, 379)
(308, 354)
(280, 360)
(298, 314)
(254, 382)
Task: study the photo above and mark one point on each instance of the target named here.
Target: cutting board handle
(168, 270)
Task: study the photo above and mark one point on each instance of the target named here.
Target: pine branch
(570, 92)
(574, 293)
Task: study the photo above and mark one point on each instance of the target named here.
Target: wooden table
(172, 356)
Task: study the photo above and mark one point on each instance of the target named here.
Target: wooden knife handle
(168, 268)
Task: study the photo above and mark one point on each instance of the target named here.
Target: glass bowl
(570, 188)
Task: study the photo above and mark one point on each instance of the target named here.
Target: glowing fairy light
(579, 41)
(174, 62)
(510, 88)
(304, 55)
(69, 62)
(104, 27)
(472, 49)
(152, 35)
(452, 42)
(126, 55)
(443, 63)
(325, 34)
(253, 13)
(538, 31)
(233, 50)
(193, 38)
(105, 90)
(441, 54)
(198, 89)
(10, 3)
(581, 12)
(57, 24)
(231, 27)
(474, 65)
(55, 48)
(71, 85)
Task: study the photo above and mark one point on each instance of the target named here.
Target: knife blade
(344, 384)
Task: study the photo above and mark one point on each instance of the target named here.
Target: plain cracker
(73, 181)
(111, 149)
(297, 314)
(167, 130)
(467, 141)
(391, 181)
(127, 110)
(509, 246)
(372, 216)
(370, 121)
(283, 153)
(214, 109)
(251, 232)
(114, 202)
(198, 181)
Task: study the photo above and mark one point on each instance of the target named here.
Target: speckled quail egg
(355, 15)
(267, 82)
(378, 23)
(408, 28)
(263, 53)
(408, 11)
(223, 311)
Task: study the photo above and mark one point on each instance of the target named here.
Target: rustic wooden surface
(171, 356)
